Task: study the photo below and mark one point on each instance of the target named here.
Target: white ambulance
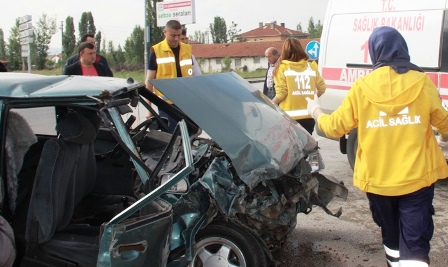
(344, 54)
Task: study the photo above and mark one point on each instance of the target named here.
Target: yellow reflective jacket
(166, 62)
(294, 81)
(397, 151)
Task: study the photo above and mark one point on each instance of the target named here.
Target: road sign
(24, 19)
(26, 40)
(312, 49)
(25, 26)
(25, 50)
(26, 33)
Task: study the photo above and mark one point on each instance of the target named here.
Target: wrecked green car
(88, 181)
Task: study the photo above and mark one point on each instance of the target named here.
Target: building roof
(272, 29)
(239, 49)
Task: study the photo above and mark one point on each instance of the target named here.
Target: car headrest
(79, 128)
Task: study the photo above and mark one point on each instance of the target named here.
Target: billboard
(181, 10)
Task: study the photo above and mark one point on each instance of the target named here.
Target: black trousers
(308, 124)
(406, 224)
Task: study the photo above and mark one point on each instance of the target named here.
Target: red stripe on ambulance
(344, 74)
(349, 75)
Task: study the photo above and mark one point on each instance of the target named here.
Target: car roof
(26, 85)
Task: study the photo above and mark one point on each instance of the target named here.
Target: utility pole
(62, 40)
(147, 36)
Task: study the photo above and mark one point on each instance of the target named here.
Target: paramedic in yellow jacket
(169, 59)
(398, 159)
(295, 79)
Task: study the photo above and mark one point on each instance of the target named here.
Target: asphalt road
(353, 240)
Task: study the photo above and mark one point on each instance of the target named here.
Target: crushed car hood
(263, 144)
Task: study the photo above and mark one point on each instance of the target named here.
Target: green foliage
(44, 30)
(259, 73)
(199, 36)
(134, 47)
(315, 31)
(155, 33)
(299, 27)
(86, 24)
(2, 45)
(227, 61)
(218, 29)
(131, 55)
(98, 42)
(119, 55)
(69, 38)
(233, 32)
(49, 63)
(14, 54)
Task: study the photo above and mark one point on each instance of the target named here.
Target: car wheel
(227, 244)
(352, 146)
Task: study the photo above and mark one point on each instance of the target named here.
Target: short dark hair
(184, 31)
(85, 45)
(85, 36)
(173, 24)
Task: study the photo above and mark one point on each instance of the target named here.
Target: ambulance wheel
(227, 244)
(352, 146)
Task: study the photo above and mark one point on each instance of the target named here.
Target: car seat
(65, 175)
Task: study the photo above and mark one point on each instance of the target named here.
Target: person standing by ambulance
(169, 58)
(272, 55)
(398, 159)
(295, 79)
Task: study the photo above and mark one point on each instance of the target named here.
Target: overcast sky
(116, 19)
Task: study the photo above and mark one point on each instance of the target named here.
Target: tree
(119, 56)
(199, 36)
(46, 28)
(14, 54)
(69, 38)
(233, 32)
(315, 31)
(318, 31)
(218, 29)
(2, 45)
(134, 47)
(86, 24)
(98, 42)
(155, 33)
(227, 61)
(108, 52)
(299, 27)
(311, 27)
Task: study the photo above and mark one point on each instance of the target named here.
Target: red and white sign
(182, 11)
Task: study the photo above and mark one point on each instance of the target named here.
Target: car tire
(352, 146)
(227, 244)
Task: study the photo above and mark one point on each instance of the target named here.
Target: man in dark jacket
(90, 38)
(272, 56)
(87, 65)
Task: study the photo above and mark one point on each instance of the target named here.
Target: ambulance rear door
(344, 54)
